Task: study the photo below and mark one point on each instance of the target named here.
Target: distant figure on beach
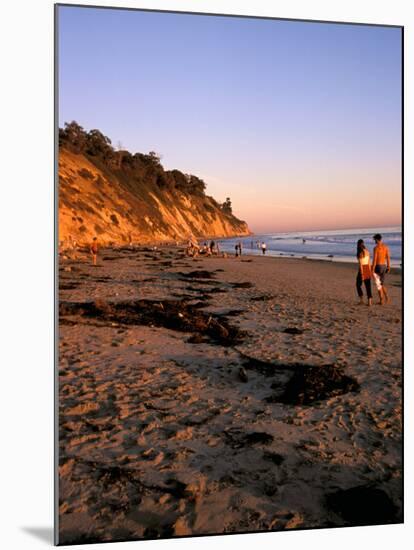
(264, 248)
(381, 265)
(303, 241)
(236, 248)
(212, 247)
(192, 248)
(94, 250)
(364, 273)
(240, 248)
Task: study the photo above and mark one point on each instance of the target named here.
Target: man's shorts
(380, 270)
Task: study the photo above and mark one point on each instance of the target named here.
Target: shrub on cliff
(138, 171)
(227, 207)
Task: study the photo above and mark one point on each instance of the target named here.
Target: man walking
(380, 266)
(94, 250)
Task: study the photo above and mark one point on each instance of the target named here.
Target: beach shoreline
(223, 395)
(351, 263)
(337, 245)
(80, 252)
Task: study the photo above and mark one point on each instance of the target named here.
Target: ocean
(333, 245)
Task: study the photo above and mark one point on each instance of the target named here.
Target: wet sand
(224, 395)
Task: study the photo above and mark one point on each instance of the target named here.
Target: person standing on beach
(264, 248)
(94, 250)
(364, 273)
(240, 248)
(381, 265)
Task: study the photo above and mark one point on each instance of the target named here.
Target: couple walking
(380, 266)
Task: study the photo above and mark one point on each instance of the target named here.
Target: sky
(298, 123)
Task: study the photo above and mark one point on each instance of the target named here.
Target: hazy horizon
(298, 123)
(335, 229)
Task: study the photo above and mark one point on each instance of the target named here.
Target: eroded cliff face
(96, 201)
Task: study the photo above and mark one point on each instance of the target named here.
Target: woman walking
(364, 273)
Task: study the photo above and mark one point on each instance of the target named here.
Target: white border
(26, 260)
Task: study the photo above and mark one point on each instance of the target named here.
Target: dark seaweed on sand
(263, 298)
(197, 274)
(306, 385)
(246, 284)
(363, 505)
(172, 314)
(293, 330)
(237, 439)
(310, 384)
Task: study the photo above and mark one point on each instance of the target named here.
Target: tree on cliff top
(138, 168)
(227, 207)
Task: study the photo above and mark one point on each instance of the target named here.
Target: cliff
(120, 200)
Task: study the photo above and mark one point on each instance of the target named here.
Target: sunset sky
(299, 123)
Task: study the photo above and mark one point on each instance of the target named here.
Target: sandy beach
(224, 395)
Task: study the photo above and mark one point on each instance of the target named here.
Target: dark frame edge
(242, 16)
(402, 275)
(56, 274)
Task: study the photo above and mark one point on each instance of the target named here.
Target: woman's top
(364, 260)
(364, 265)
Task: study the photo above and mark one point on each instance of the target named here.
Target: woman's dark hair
(360, 248)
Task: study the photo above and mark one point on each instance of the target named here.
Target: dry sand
(250, 429)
